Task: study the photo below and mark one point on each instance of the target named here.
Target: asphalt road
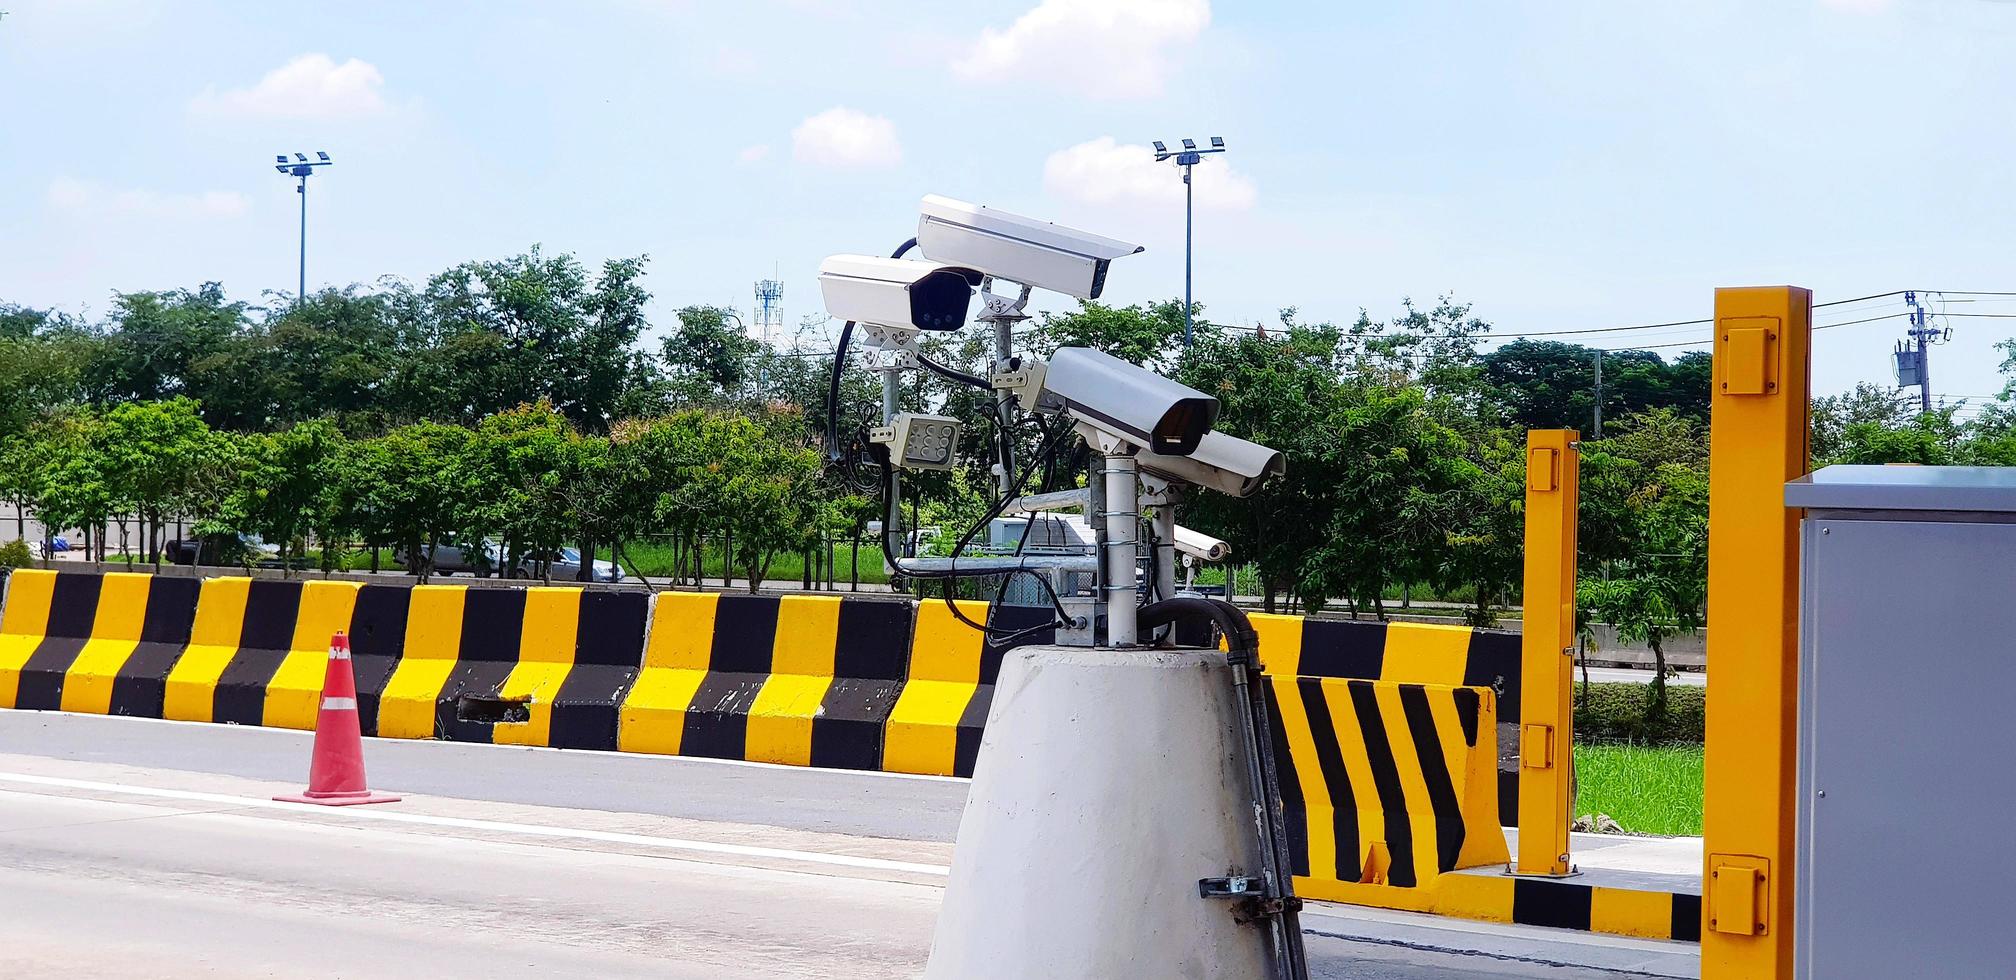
(132, 848)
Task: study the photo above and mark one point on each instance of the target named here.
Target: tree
(709, 362)
(407, 488)
(158, 338)
(1659, 586)
(158, 460)
(292, 487)
(1150, 335)
(71, 489)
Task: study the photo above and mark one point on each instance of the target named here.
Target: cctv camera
(1021, 250)
(897, 293)
(1128, 402)
(1200, 546)
(1227, 464)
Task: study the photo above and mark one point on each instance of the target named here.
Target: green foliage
(1619, 713)
(14, 554)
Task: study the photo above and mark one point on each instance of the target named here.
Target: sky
(1559, 164)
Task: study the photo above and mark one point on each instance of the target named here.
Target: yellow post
(1546, 701)
(1758, 441)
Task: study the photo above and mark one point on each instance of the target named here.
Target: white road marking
(491, 826)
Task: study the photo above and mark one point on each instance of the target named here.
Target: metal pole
(301, 291)
(1189, 212)
(1122, 519)
(1599, 393)
(1004, 348)
(894, 517)
(1165, 553)
(1924, 368)
(1547, 703)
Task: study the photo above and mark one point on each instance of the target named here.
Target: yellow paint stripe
(294, 695)
(1474, 775)
(115, 633)
(220, 620)
(1421, 653)
(1485, 897)
(1420, 814)
(1316, 799)
(433, 645)
(1623, 912)
(922, 735)
(779, 728)
(29, 594)
(1280, 643)
(1357, 764)
(653, 717)
(545, 657)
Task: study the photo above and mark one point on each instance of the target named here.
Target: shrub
(1618, 713)
(14, 554)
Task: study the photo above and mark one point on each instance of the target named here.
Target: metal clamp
(1233, 886)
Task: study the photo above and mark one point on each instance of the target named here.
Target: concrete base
(1108, 783)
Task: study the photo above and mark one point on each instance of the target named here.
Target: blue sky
(1560, 164)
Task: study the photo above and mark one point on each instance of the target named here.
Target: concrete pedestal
(1108, 783)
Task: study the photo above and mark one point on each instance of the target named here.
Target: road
(146, 848)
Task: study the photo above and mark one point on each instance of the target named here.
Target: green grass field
(656, 559)
(1646, 790)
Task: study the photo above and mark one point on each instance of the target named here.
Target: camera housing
(897, 292)
(1227, 464)
(1130, 402)
(1021, 250)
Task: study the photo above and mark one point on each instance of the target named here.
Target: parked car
(222, 550)
(451, 557)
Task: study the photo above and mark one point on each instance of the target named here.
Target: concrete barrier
(799, 680)
(936, 725)
(1412, 653)
(1386, 785)
(258, 651)
(94, 644)
(536, 666)
(1570, 904)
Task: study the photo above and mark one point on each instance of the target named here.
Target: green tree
(291, 488)
(159, 460)
(407, 488)
(1658, 586)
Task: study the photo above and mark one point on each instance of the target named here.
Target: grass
(1647, 790)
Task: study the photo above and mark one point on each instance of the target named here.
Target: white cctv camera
(1227, 464)
(1020, 250)
(896, 292)
(1128, 402)
(1200, 546)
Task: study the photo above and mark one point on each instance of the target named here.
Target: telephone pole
(1914, 356)
(1599, 394)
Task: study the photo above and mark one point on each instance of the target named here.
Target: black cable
(947, 371)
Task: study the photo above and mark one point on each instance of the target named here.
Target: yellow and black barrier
(535, 666)
(1385, 784)
(797, 680)
(949, 686)
(91, 643)
(1411, 653)
(1569, 904)
(258, 652)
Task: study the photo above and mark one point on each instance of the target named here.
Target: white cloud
(843, 137)
(754, 154)
(1107, 172)
(1107, 49)
(312, 86)
(90, 199)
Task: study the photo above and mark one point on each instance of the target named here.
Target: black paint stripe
(717, 722)
(972, 728)
(1386, 780)
(1559, 904)
(1467, 708)
(847, 734)
(268, 631)
(171, 610)
(1493, 660)
(873, 641)
(493, 621)
(40, 683)
(1686, 924)
(610, 629)
(1336, 779)
(1294, 806)
(377, 638)
(1445, 807)
(745, 633)
(73, 604)
(1342, 648)
(142, 681)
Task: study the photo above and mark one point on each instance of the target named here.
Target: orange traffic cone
(336, 776)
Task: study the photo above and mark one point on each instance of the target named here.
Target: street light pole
(301, 167)
(1188, 158)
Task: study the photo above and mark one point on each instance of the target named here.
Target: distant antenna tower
(769, 307)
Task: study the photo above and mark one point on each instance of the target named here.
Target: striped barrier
(799, 680)
(935, 727)
(536, 666)
(1571, 904)
(89, 643)
(1385, 785)
(1414, 653)
(257, 653)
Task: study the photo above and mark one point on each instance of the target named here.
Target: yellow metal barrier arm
(1758, 441)
(1546, 701)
